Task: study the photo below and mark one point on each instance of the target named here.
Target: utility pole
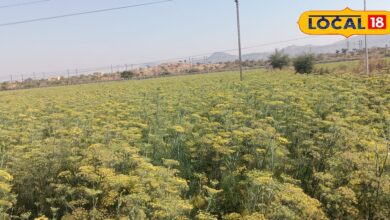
(239, 39)
(365, 39)
(68, 81)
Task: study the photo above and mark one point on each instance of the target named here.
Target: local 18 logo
(346, 22)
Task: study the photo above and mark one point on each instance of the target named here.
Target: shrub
(278, 60)
(377, 64)
(166, 73)
(304, 63)
(193, 70)
(127, 75)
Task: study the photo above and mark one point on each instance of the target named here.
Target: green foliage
(278, 60)
(127, 74)
(304, 63)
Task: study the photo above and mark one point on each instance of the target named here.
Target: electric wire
(23, 4)
(157, 62)
(83, 13)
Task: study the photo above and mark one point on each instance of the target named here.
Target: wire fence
(116, 72)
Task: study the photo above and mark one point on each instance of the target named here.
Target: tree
(278, 60)
(304, 63)
(344, 51)
(127, 74)
(3, 86)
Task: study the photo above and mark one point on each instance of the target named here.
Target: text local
(324, 22)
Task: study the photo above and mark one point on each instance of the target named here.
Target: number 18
(377, 22)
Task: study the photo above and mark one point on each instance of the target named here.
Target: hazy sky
(175, 29)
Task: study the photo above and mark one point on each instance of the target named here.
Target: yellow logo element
(346, 22)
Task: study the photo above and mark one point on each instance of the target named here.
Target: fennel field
(276, 146)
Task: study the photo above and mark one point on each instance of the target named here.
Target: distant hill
(293, 50)
(221, 57)
(352, 43)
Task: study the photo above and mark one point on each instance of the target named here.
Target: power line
(48, 74)
(23, 4)
(259, 45)
(366, 49)
(275, 43)
(203, 54)
(96, 68)
(83, 13)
